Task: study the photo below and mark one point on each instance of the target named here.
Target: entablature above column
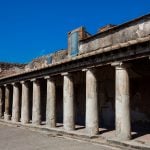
(123, 55)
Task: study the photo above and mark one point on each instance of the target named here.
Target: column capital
(32, 80)
(35, 81)
(22, 82)
(117, 64)
(65, 74)
(6, 85)
(15, 83)
(84, 70)
(89, 69)
(68, 75)
(120, 64)
(47, 77)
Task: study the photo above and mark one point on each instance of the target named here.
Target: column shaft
(123, 127)
(92, 122)
(15, 105)
(68, 100)
(1, 102)
(25, 103)
(7, 103)
(36, 109)
(51, 103)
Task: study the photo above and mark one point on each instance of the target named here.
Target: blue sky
(31, 28)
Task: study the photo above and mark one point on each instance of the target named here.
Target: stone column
(7, 103)
(51, 103)
(15, 104)
(1, 102)
(122, 102)
(25, 103)
(92, 121)
(36, 108)
(68, 102)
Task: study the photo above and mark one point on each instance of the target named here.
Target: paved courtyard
(12, 138)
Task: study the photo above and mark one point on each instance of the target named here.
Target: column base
(36, 122)
(51, 125)
(123, 137)
(68, 128)
(14, 119)
(92, 131)
(24, 121)
(7, 117)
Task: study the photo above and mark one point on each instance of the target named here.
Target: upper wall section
(46, 60)
(80, 42)
(73, 49)
(133, 30)
(10, 68)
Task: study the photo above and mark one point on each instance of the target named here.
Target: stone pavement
(104, 138)
(138, 141)
(12, 138)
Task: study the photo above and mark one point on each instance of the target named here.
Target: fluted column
(68, 102)
(1, 102)
(25, 103)
(36, 109)
(7, 103)
(15, 104)
(51, 103)
(92, 122)
(122, 102)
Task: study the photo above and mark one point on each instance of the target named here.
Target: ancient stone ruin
(99, 81)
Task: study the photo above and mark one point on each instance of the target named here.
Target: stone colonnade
(92, 119)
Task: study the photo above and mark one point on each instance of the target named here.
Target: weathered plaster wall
(47, 59)
(120, 34)
(10, 69)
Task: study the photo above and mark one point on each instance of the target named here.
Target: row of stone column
(92, 118)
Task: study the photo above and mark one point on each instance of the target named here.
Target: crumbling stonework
(47, 60)
(10, 69)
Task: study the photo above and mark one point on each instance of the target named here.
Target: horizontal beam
(123, 54)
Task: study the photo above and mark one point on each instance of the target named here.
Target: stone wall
(7, 69)
(117, 35)
(44, 61)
